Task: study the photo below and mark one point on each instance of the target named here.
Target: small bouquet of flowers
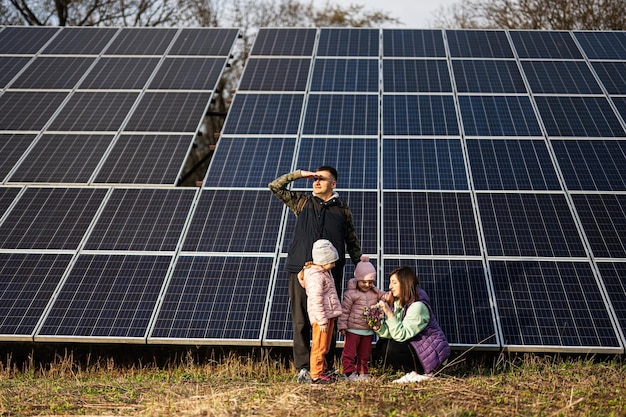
(373, 316)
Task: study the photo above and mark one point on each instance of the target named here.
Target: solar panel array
(491, 161)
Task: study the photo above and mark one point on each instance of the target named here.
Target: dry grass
(261, 383)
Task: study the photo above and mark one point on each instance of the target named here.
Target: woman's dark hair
(408, 284)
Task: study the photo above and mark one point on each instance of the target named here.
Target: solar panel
(551, 304)
(256, 114)
(538, 225)
(106, 297)
(614, 277)
(187, 74)
(413, 43)
(346, 42)
(141, 220)
(62, 159)
(145, 159)
(28, 111)
(560, 77)
(511, 164)
(603, 217)
(204, 41)
(578, 117)
(214, 298)
(275, 74)
(27, 282)
(53, 73)
(345, 114)
(168, 112)
(592, 165)
(10, 67)
(12, 147)
(24, 40)
(141, 41)
(7, 195)
(417, 115)
(345, 75)
(433, 164)
(409, 75)
(603, 44)
(612, 75)
(487, 76)
(478, 44)
(545, 44)
(284, 41)
(498, 116)
(50, 218)
(80, 40)
(119, 73)
(249, 162)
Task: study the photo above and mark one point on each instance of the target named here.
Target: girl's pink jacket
(322, 299)
(352, 305)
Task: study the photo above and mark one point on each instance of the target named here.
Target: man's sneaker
(412, 377)
(304, 377)
(364, 377)
(323, 379)
(353, 377)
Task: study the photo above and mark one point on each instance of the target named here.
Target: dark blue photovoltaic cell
(423, 164)
(498, 116)
(545, 44)
(62, 159)
(187, 74)
(547, 304)
(560, 77)
(364, 216)
(53, 73)
(259, 114)
(412, 115)
(110, 73)
(458, 295)
(409, 75)
(145, 159)
(603, 217)
(27, 282)
(234, 221)
(278, 74)
(620, 103)
(50, 218)
(107, 296)
(478, 44)
(141, 41)
(345, 75)
(612, 75)
(348, 42)
(204, 41)
(101, 111)
(12, 147)
(487, 76)
(578, 117)
(284, 41)
(332, 114)
(141, 220)
(215, 298)
(169, 112)
(24, 40)
(432, 223)
(413, 43)
(9, 67)
(529, 225)
(249, 162)
(28, 111)
(511, 164)
(356, 160)
(592, 165)
(610, 45)
(614, 277)
(80, 40)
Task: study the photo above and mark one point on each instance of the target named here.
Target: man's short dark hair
(330, 169)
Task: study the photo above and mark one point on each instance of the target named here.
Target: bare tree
(534, 14)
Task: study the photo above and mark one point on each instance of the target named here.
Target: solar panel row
(493, 162)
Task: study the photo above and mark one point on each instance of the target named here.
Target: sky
(415, 14)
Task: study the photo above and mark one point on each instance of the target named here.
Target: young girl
(322, 305)
(361, 293)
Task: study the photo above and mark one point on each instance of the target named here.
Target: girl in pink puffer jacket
(360, 293)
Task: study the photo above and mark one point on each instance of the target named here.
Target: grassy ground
(260, 383)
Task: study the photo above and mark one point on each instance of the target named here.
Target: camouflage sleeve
(352, 240)
(292, 199)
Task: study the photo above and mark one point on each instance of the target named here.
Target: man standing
(321, 215)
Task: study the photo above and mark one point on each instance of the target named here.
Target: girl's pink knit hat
(364, 270)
